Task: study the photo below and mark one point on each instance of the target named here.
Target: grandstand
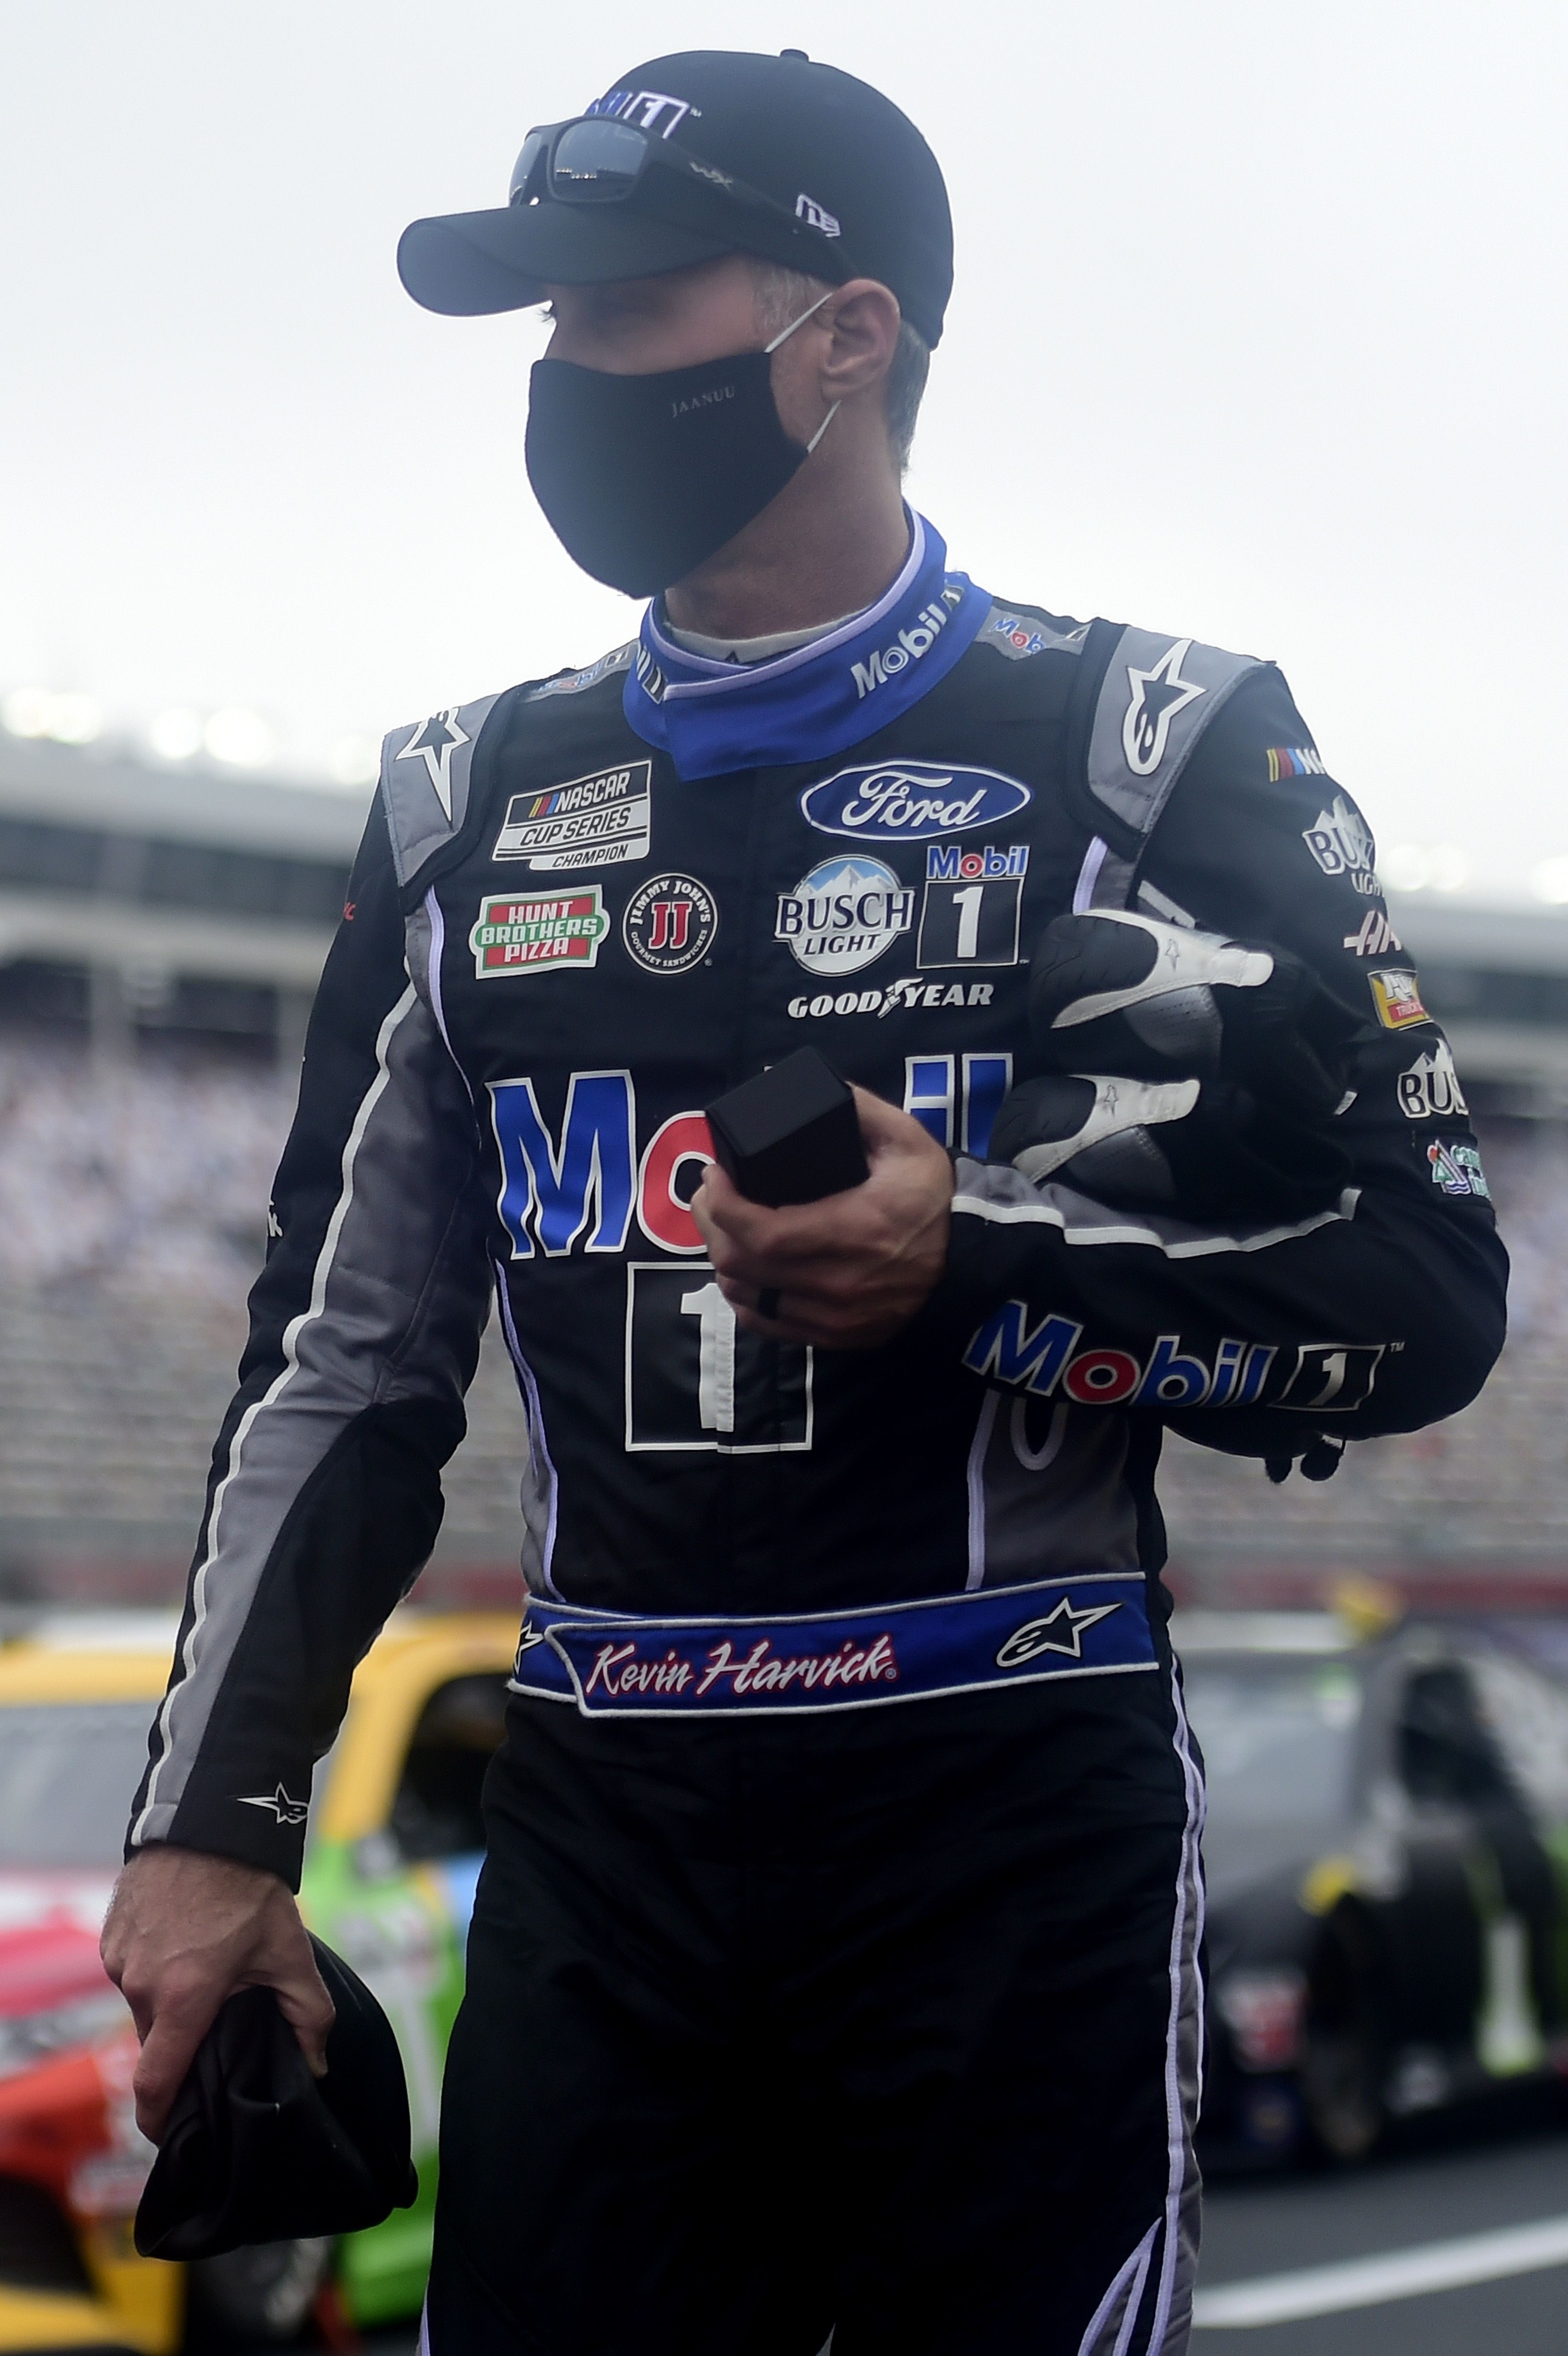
(161, 933)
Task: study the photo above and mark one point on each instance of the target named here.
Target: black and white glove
(1204, 1150)
(1112, 991)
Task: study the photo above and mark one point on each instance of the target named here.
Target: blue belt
(613, 1665)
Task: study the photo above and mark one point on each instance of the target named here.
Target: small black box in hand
(790, 1135)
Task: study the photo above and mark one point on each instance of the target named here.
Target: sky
(1258, 336)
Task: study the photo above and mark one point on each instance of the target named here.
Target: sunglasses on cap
(593, 160)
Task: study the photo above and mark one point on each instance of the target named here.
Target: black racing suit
(886, 2021)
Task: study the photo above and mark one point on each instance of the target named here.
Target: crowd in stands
(152, 1177)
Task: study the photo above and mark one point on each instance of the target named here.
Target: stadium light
(1549, 881)
(1405, 867)
(25, 712)
(175, 735)
(37, 712)
(241, 738)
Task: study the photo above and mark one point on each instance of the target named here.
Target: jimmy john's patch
(670, 924)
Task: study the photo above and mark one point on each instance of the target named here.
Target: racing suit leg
(886, 2022)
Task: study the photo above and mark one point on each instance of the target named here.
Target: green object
(403, 1928)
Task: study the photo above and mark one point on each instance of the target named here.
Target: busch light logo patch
(523, 935)
(594, 822)
(904, 802)
(1430, 1090)
(1341, 843)
(843, 914)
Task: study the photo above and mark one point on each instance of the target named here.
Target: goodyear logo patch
(525, 936)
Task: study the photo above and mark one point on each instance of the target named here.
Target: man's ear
(863, 322)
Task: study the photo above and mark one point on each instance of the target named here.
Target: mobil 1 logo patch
(594, 822)
(1332, 1377)
(969, 915)
(696, 1379)
(670, 924)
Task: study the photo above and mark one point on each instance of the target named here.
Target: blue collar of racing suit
(817, 699)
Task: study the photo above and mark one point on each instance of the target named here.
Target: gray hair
(783, 294)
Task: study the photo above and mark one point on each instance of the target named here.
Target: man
(791, 2011)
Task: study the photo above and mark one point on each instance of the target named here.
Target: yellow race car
(395, 1847)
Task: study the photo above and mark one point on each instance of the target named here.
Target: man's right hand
(185, 1930)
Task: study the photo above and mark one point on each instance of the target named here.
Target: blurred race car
(1387, 1854)
(390, 1876)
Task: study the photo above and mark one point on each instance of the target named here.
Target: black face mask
(642, 477)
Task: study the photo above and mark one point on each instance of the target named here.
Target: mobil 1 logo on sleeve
(695, 1379)
(593, 822)
(969, 915)
(1332, 1377)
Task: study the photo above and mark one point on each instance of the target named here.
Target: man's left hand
(849, 1272)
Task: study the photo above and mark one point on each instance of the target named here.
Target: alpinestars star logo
(434, 744)
(1157, 696)
(279, 1805)
(1027, 1643)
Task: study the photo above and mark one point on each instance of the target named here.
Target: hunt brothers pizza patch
(545, 929)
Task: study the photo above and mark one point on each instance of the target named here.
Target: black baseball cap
(777, 157)
(257, 2151)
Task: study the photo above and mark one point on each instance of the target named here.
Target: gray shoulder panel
(425, 768)
(424, 781)
(1157, 697)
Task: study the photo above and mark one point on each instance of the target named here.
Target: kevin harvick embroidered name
(1096, 1625)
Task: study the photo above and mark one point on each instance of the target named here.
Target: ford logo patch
(898, 801)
